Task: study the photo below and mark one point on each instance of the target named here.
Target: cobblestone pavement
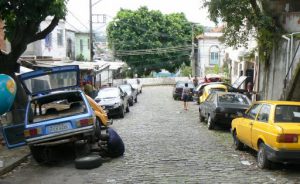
(164, 144)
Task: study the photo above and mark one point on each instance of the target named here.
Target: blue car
(57, 113)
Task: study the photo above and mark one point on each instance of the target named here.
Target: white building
(53, 45)
(210, 52)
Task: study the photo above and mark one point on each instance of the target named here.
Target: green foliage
(244, 19)
(137, 36)
(20, 13)
(80, 57)
(22, 26)
(186, 71)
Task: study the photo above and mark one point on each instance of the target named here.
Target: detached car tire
(88, 162)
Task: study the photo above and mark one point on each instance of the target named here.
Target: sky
(78, 16)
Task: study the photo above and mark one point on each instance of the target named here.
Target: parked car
(198, 91)
(131, 92)
(101, 114)
(235, 87)
(114, 100)
(177, 90)
(222, 107)
(136, 84)
(210, 88)
(272, 128)
(53, 117)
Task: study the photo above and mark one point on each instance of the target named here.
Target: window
(48, 40)
(210, 98)
(264, 113)
(81, 45)
(60, 37)
(253, 111)
(287, 113)
(214, 58)
(214, 55)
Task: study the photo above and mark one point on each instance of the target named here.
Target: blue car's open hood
(50, 79)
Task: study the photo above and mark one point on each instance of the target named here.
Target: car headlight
(117, 105)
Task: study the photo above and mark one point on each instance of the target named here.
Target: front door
(245, 129)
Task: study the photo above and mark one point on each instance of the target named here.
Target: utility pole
(192, 53)
(91, 32)
(100, 18)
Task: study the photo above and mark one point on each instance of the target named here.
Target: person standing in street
(185, 96)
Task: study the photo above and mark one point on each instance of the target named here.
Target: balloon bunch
(8, 91)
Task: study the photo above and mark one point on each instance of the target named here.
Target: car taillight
(85, 122)
(32, 132)
(287, 138)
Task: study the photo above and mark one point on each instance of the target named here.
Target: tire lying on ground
(88, 162)
(115, 145)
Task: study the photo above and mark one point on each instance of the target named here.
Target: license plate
(58, 127)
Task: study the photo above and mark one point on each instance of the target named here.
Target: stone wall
(153, 81)
(272, 75)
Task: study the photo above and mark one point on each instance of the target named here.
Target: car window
(216, 90)
(233, 98)
(210, 98)
(252, 112)
(109, 93)
(287, 113)
(264, 113)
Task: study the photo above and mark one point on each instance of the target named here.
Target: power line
(78, 19)
(153, 52)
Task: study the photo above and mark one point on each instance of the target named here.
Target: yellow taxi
(212, 88)
(272, 128)
(101, 115)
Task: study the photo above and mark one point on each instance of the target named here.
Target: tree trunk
(9, 67)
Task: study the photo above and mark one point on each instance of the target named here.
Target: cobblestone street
(164, 144)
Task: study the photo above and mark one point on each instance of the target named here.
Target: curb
(13, 165)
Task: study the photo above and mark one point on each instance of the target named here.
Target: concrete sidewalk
(11, 158)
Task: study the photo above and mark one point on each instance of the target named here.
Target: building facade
(211, 52)
(82, 46)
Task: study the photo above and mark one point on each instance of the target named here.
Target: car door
(244, 128)
(14, 135)
(261, 126)
(205, 105)
(211, 105)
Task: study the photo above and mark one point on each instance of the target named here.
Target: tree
(246, 18)
(149, 41)
(22, 26)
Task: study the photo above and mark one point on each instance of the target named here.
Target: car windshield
(56, 106)
(52, 81)
(216, 90)
(287, 113)
(181, 85)
(108, 93)
(126, 88)
(233, 99)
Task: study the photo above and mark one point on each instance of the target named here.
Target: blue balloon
(8, 91)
